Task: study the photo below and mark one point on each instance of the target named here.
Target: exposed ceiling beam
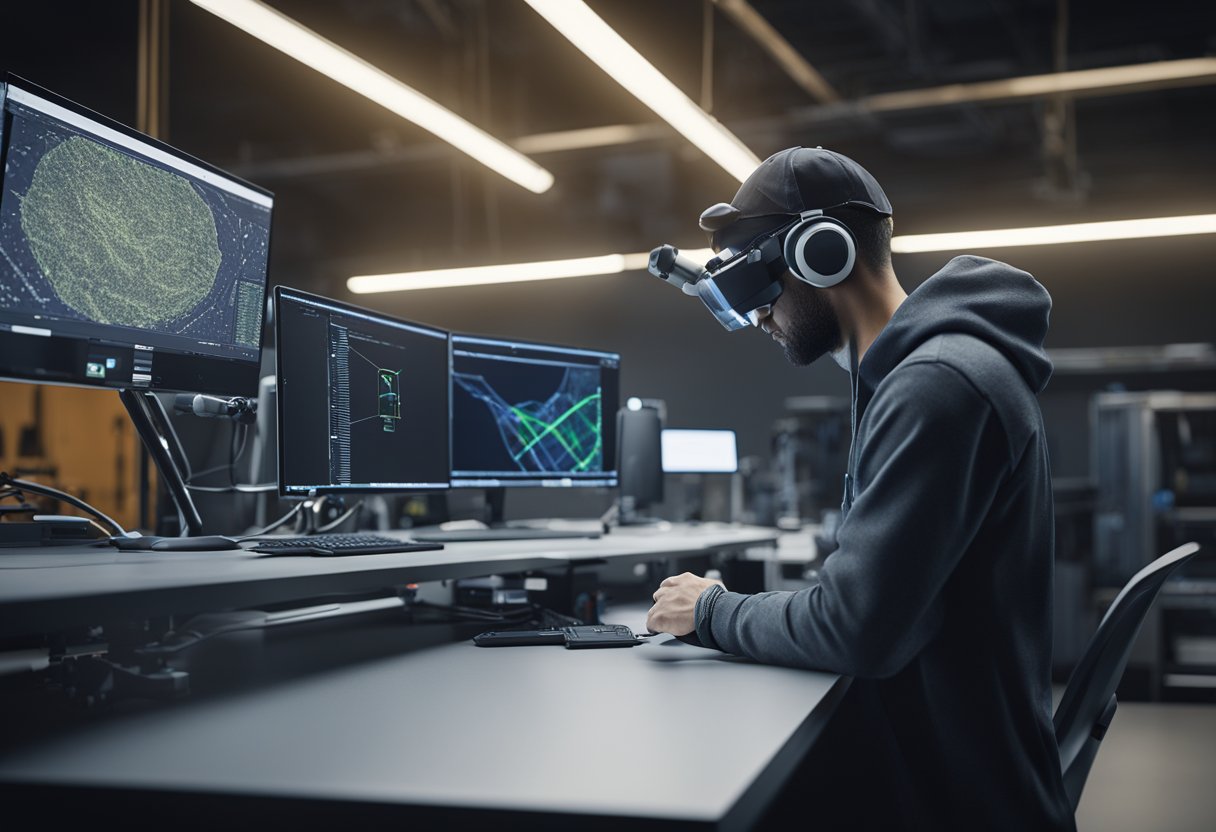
(1104, 81)
(1117, 80)
(1087, 82)
(780, 49)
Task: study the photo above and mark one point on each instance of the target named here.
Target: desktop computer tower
(641, 459)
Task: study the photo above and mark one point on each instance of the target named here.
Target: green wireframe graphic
(561, 434)
(389, 400)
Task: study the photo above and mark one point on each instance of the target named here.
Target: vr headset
(740, 285)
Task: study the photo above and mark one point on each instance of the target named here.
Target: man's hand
(674, 603)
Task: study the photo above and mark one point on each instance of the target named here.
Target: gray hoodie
(938, 599)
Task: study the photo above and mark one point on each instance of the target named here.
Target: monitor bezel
(610, 479)
(216, 375)
(341, 306)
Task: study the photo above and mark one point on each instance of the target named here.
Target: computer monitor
(124, 263)
(362, 399)
(529, 414)
(699, 451)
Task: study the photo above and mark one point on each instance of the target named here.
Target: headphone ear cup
(820, 251)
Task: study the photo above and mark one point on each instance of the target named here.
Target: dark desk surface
(642, 736)
(657, 733)
(53, 588)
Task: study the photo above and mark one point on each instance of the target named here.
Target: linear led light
(600, 42)
(286, 35)
(1052, 234)
(905, 244)
(508, 273)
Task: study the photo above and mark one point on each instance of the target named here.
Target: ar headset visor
(743, 281)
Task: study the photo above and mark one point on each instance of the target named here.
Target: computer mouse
(139, 543)
(150, 542)
(203, 543)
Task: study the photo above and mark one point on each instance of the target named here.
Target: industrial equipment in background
(1154, 465)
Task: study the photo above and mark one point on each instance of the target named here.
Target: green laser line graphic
(559, 433)
(529, 421)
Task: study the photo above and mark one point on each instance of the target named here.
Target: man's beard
(813, 330)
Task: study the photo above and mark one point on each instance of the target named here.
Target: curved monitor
(529, 414)
(124, 262)
(362, 399)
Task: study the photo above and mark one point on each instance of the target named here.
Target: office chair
(1088, 705)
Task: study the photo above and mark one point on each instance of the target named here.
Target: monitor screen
(362, 399)
(124, 262)
(699, 452)
(527, 414)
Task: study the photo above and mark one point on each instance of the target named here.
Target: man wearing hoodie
(937, 601)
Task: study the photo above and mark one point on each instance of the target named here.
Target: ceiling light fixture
(600, 42)
(905, 244)
(508, 272)
(1045, 235)
(288, 36)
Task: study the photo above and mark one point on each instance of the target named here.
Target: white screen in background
(699, 451)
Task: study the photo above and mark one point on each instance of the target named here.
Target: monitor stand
(498, 529)
(156, 432)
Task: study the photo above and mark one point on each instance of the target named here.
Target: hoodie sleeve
(932, 457)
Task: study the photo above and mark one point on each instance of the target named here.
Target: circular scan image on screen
(121, 242)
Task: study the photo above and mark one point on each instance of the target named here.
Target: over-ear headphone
(820, 250)
(739, 286)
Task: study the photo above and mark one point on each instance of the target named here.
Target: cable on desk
(341, 518)
(268, 529)
(294, 511)
(10, 481)
(236, 449)
(239, 489)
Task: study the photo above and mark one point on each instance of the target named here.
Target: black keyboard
(329, 545)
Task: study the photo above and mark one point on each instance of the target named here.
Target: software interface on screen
(362, 399)
(124, 262)
(699, 451)
(532, 414)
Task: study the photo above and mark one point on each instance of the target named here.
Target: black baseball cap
(785, 185)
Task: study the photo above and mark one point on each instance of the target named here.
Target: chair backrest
(1088, 703)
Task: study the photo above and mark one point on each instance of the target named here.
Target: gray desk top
(659, 731)
(80, 585)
